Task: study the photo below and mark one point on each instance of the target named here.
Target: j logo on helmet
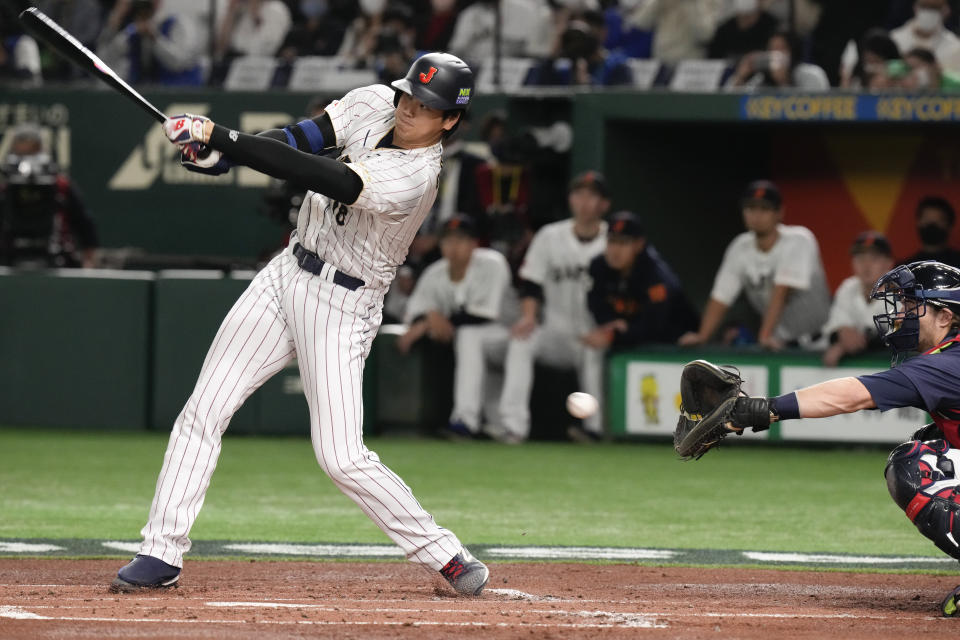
(428, 76)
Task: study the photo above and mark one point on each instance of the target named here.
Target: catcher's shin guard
(924, 480)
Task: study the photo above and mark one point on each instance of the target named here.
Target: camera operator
(780, 66)
(42, 220)
(581, 61)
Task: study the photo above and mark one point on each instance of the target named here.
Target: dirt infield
(69, 599)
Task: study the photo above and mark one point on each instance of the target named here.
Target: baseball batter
(319, 301)
(555, 276)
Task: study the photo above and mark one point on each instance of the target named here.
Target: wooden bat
(45, 29)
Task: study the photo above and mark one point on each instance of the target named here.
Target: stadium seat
(513, 72)
(698, 75)
(347, 79)
(644, 72)
(312, 73)
(250, 73)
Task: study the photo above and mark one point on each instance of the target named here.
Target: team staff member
(779, 269)
(922, 313)
(320, 301)
(553, 306)
(463, 298)
(636, 297)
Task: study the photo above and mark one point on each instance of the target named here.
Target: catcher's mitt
(712, 407)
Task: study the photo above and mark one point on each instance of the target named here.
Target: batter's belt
(309, 261)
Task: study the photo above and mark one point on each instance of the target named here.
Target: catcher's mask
(906, 291)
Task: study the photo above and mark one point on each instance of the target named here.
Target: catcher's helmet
(906, 291)
(438, 80)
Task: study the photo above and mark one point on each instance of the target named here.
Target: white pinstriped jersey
(560, 263)
(370, 238)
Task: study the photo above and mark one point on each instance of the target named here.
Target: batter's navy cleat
(145, 572)
(950, 606)
(466, 574)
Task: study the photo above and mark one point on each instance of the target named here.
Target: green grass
(62, 484)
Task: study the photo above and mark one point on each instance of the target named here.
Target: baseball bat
(45, 29)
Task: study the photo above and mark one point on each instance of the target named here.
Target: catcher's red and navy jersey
(930, 381)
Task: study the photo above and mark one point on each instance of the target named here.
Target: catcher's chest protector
(924, 480)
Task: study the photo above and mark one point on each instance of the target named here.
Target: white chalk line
(22, 614)
(514, 594)
(640, 619)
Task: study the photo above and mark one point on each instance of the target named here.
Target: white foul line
(764, 556)
(580, 553)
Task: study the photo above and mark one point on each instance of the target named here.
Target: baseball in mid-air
(582, 405)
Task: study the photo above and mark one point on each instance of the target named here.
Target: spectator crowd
(803, 44)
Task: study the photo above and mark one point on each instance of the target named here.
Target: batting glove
(184, 128)
(200, 158)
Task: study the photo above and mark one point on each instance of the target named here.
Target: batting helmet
(906, 291)
(438, 80)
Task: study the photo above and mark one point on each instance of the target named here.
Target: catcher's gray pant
(476, 348)
(287, 312)
(557, 348)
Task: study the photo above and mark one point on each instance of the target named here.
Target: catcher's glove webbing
(712, 407)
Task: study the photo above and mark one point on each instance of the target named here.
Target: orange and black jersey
(648, 298)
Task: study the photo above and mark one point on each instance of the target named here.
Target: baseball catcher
(922, 315)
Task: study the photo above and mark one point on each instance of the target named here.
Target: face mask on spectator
(929, 20)
(923, 78)
(933, 234)
(371, 7)
(746, 6)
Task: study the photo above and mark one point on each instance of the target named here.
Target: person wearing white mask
(360, 38)
(926, 31)
(681, 28)
(526, 30)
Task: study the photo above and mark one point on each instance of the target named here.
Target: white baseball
(582, 405)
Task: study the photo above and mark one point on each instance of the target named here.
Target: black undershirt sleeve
(529, 289)
(329, 177)
(310, 136)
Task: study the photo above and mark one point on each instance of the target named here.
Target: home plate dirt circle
(53, 598)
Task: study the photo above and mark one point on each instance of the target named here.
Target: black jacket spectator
(731, 41)
(935, 218)
(649, 299)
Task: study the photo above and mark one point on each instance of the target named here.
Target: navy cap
(762, 191)
(874, 241)
(460, 223)
(625, 223)
(593, 180)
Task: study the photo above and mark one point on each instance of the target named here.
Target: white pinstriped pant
(287, 311)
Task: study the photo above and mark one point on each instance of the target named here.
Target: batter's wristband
(786, 406)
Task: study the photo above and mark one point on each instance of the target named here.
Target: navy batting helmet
(438, 80)
(906, 292)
